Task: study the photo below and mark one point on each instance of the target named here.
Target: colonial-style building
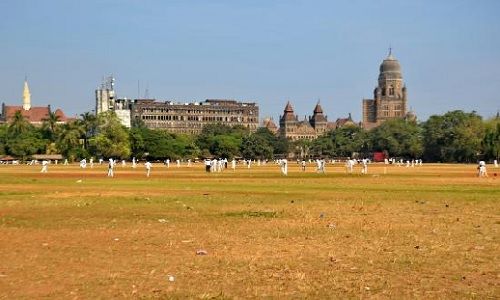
(270, 125)
(176, 117)
(34, 114)
(389, 97)
(292, 128)
(191, 117)
(341, 122)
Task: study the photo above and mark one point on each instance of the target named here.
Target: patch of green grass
(253, 214)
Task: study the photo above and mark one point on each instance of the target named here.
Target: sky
(263, 51)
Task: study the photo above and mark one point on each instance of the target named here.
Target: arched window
(391, 90)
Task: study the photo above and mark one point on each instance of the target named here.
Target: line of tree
(456, 136)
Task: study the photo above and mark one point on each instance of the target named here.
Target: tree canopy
(456, 136)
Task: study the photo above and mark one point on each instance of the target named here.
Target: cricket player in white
(364, 169)
(482, 169)
(284, 167)
(148, 168)
(45, 165)
(111, 165)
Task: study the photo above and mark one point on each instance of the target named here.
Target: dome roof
(411, 116)
(390, 68)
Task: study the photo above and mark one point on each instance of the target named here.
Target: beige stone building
(292, 128)
(190, 118)
(389, 97)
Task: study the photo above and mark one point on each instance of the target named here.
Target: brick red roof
(34, 115)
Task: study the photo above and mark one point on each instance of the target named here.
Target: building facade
(105, 99)
(309, 128)
(389, 97)
(190, 118)
(33, 114)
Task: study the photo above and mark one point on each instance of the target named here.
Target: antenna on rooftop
(146, 91)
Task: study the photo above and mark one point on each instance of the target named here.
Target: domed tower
(288, 122)
(318, 121)
(389, 97)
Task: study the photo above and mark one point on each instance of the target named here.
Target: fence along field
(423, 232)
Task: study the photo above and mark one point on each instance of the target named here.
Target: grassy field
(423, 232)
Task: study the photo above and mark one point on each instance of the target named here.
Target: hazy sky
(266, 51)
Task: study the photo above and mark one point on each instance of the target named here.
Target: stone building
(270, 125)
(341, 122)
(33, 114)
(389, 97)
(191, 117)
(309, 128)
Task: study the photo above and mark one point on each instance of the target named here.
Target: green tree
(225, 146)
(25, 144)
(112, 138)
(491, 141)
(89, 122)
(255, 146)
(453, 137)
(221, 140)
(279, 144)
(50, 126)
(186, 146)
(137, 144)
(302, 148)
(3, 138)
(158, 144)
(348, 140)
(398, 137)
(323, 146)
(19, 125)
(68, 141)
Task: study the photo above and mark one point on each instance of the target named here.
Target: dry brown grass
(424, 232)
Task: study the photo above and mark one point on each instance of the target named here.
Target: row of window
(387, 113)
(198, 118)
(185, 128)
(395, 107)
(197, 112)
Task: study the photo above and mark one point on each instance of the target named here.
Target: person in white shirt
(284, 167)
(364, 169)
(482, 169)
(111, 166)
(45, 165)
(148, 165)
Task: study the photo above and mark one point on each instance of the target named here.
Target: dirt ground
(423, 232)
